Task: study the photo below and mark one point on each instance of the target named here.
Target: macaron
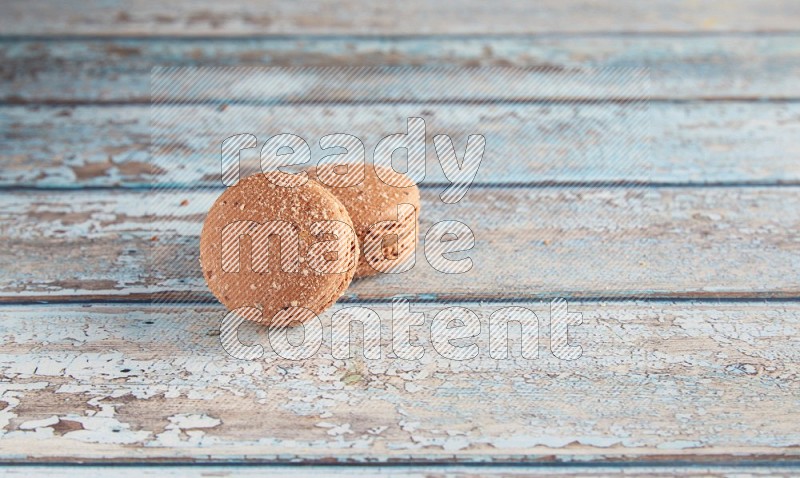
(279, 249)
(386, 218)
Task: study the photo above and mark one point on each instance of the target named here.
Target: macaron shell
(373, 201)
(273, 289)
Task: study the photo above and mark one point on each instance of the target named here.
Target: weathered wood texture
(656, 382)
(411, 471)
(241, 17)
(584, 242)
(681, 67)
(660, 384)
(698, 143)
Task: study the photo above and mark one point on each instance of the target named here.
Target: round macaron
(387, 234)
(277, 248)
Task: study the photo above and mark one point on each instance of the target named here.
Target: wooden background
(692, 367)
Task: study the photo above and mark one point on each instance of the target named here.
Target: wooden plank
(657, 382)
(240, 17)
(410, 471)
(685, 67)
(697, 143)
(530, 243)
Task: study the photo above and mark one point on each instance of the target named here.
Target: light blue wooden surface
(626, 242)
(686, 67)
(681, 144)
(700, 377)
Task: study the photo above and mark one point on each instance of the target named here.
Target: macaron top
(277, 248)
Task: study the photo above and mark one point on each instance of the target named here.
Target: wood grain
(695, 143)
(657, 382)
(240, 17)
(705, 388)
(541, 242)
(681, 67)
(411, 471)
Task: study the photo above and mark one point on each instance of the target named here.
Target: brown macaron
(387, 236)
(278, 248)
